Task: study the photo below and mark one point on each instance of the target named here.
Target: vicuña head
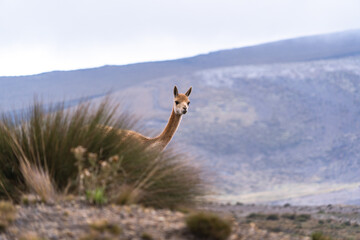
(181, 101)
(180, 107)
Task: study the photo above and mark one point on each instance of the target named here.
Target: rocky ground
(75, 219)
(336, 221)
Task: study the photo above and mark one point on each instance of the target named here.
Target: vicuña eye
(188, 103)
(176, 102)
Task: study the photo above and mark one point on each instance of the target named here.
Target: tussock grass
(38, 141)
(205, 225)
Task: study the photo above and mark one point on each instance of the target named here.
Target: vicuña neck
(164, 138)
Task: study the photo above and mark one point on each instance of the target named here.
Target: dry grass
(30, 236)
(102, 229)
(104, 226)
(7, 214)
(38, 181)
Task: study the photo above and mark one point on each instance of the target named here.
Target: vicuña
(180, 107)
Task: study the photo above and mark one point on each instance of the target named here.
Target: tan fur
(161, 141)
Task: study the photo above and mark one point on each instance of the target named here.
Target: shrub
(303, 217)
(290, 216)
(347, 223)
(208, 226)
(7, 214)
(44, 136)
(272, 217)
(256, 216)
(103, 226)
(146, 236)
(319, 236)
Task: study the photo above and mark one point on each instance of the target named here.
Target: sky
(45, 35)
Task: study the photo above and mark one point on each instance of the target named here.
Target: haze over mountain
(267, 119)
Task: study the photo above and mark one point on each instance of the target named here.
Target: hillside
(262, 118)
(58, 85)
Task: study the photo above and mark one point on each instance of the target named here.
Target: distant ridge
(324, 46)
(308, 48)
(69, 84)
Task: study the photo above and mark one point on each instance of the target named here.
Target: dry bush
(205, 225)
(319, 236)
(159, 179)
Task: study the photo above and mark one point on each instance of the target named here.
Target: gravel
(74, 219)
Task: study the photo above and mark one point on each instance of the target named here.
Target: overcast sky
(45, 35)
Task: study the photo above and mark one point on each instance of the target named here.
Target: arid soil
(335, 221)
(77, 220)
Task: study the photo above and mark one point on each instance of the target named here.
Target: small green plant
(206, 225)
(7, 214)
(96, 196)
(319, 236)
(97, 177)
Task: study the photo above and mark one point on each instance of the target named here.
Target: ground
(75, 219)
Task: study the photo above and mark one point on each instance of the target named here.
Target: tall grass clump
(206, 225)
(47, 140)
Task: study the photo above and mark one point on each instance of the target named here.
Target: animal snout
(184, 110)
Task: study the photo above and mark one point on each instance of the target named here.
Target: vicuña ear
(188, 91)
(176, 92)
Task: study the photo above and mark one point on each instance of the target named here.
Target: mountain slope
(58, 85)
(261, 117)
